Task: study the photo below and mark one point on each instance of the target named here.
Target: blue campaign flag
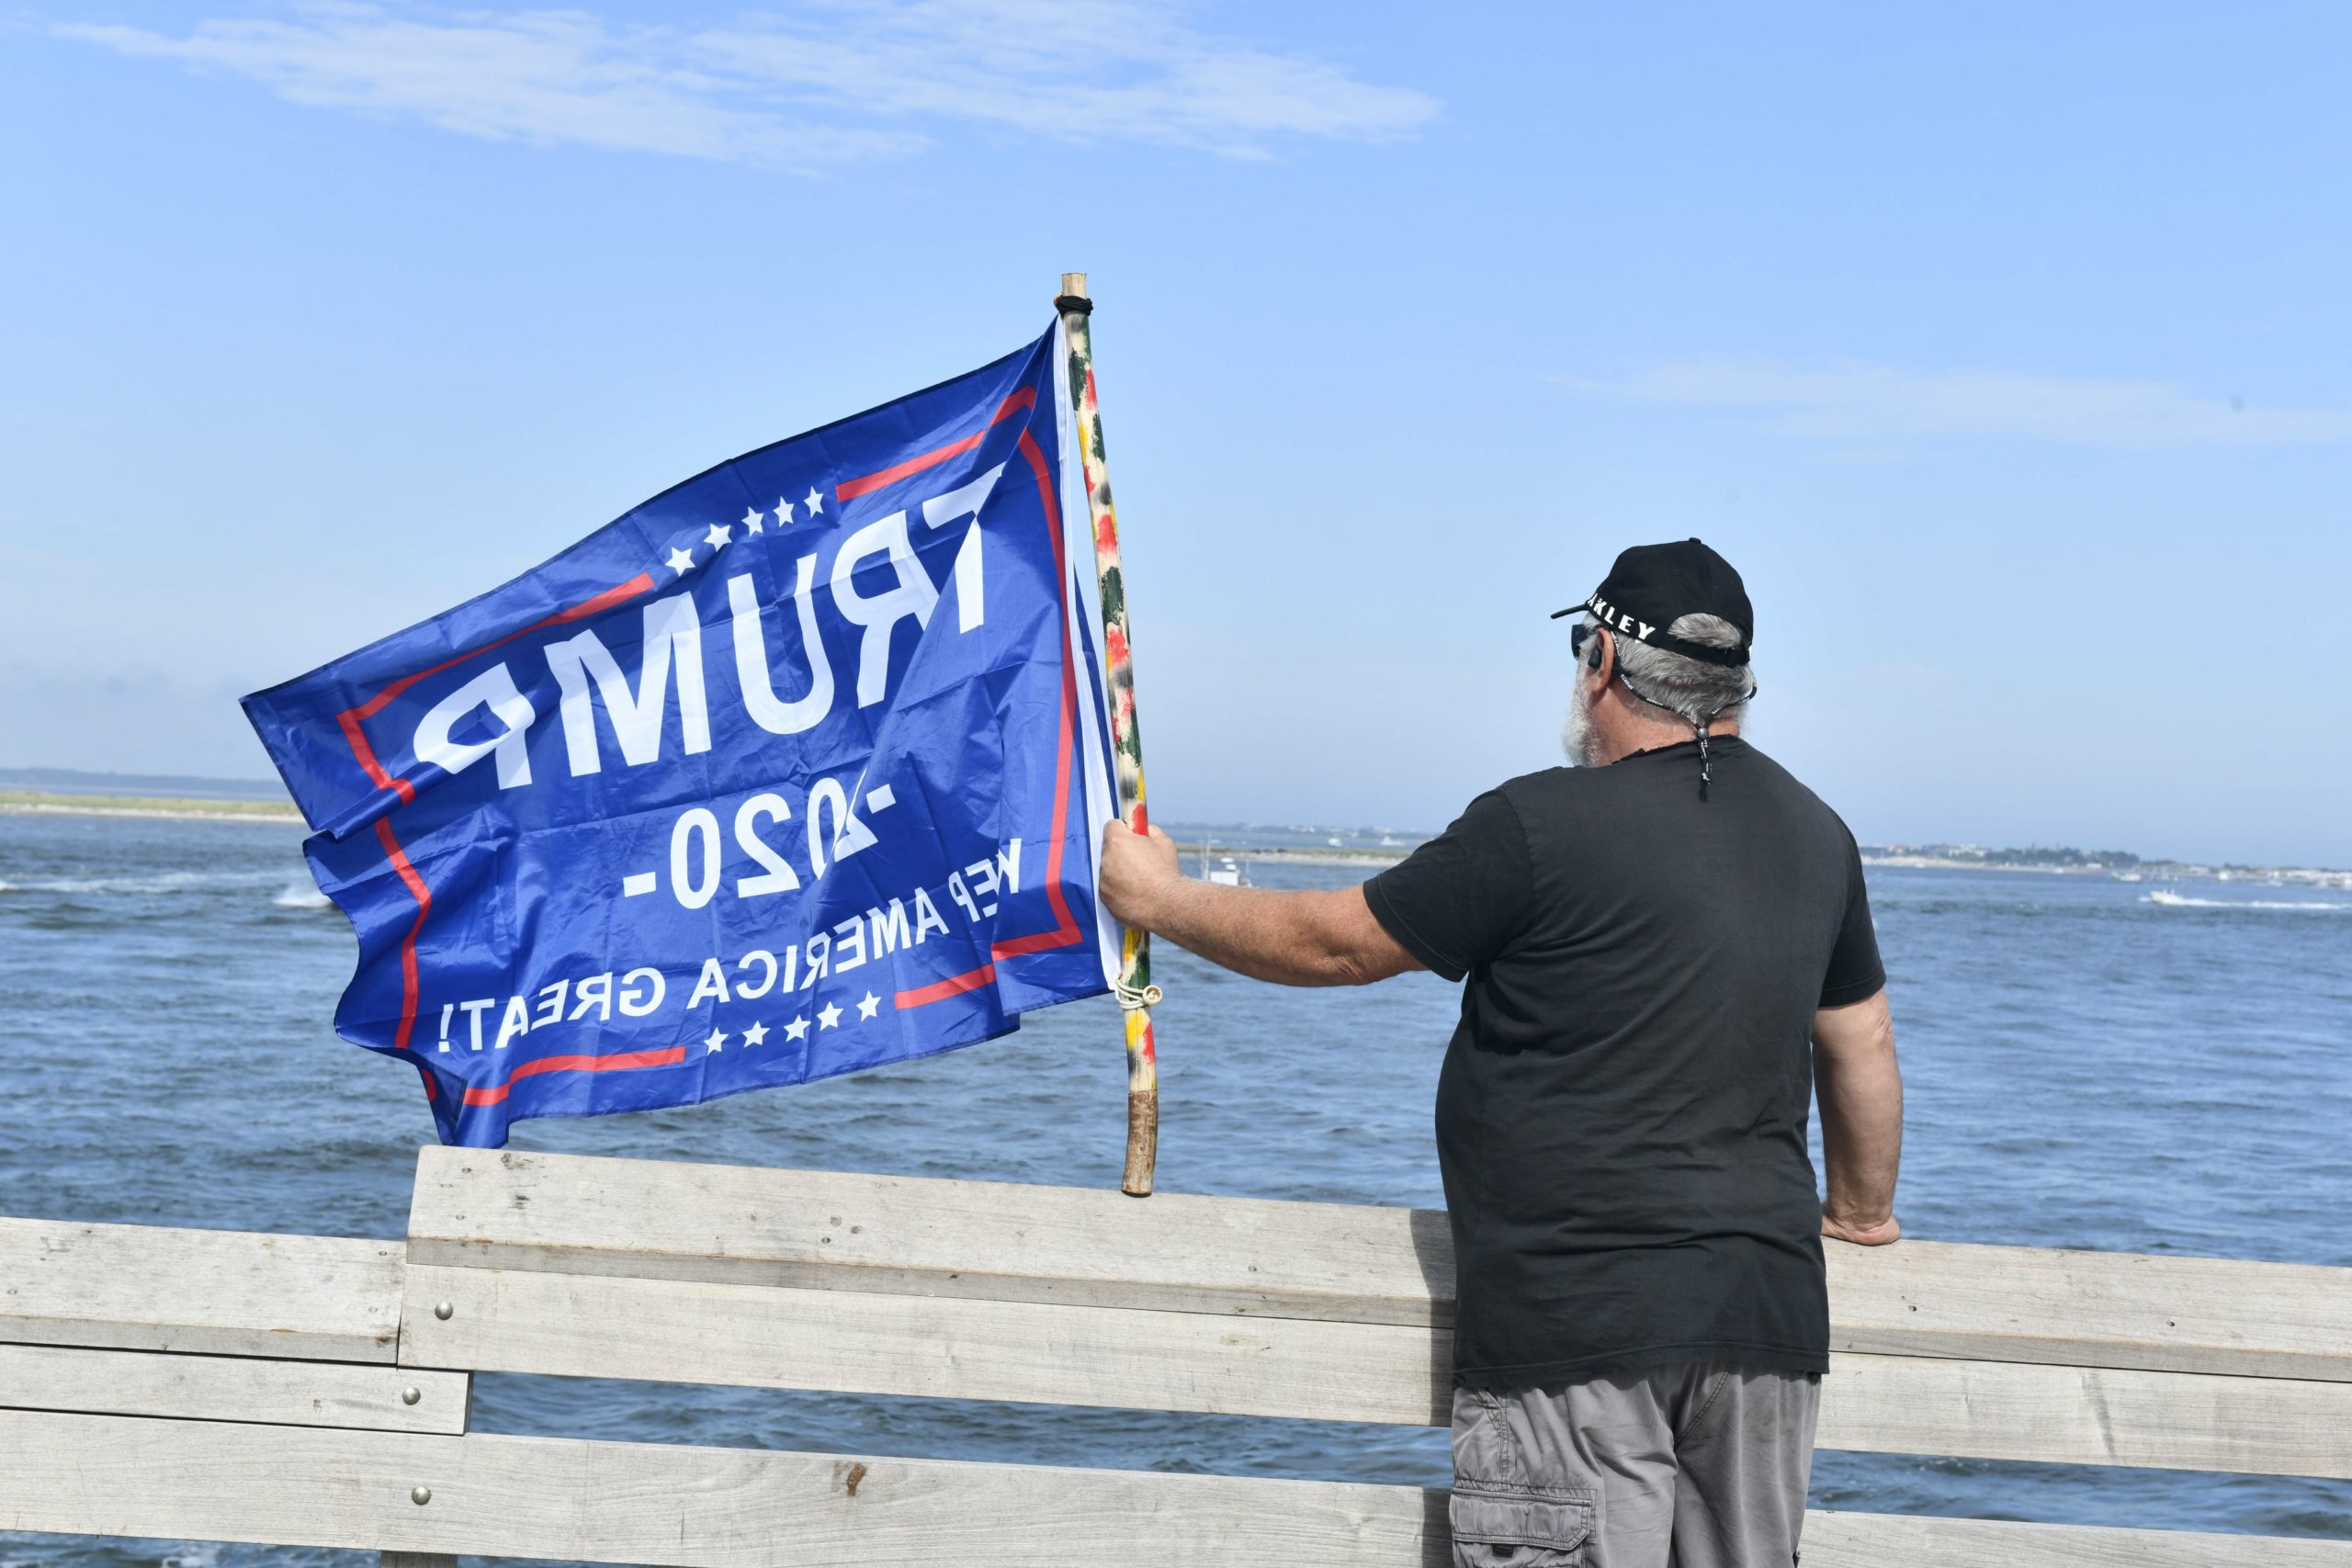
(798, 768)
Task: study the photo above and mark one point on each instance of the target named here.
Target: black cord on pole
(1077, 302)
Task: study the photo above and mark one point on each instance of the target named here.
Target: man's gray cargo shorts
(1699, 1464)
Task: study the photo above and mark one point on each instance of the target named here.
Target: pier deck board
(231, 1388)
(940, 1348)
(584, 1214)
(1327, 1263)
(201, 1292)
(691, 1508)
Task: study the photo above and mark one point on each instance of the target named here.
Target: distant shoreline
(1939, 862)
(281, 813)
(1293, 855)
(2156, 872)
(2143, 871)
(41, 803)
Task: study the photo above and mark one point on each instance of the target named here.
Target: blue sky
(2003, 350)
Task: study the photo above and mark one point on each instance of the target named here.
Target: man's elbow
(1362, 952)
(1335, 941)
(1856, 1033)
(1353, 967)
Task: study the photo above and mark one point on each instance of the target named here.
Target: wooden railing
(310, 1390)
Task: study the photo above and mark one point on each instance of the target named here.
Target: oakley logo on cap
(1617, 621)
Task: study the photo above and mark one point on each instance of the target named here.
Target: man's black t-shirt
(1621, 1118)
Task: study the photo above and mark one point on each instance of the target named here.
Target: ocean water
(2084, 1068)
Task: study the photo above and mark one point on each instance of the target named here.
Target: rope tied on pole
(1134, 1000)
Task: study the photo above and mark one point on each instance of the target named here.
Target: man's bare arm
(1305, 938)
(1860, 1088)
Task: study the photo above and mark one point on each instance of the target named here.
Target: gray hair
(1697, 691)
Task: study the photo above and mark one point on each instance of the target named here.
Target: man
(1665, 947)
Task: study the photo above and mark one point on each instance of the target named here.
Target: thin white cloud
(835, 81)
(1094, 69)
(1870, 403)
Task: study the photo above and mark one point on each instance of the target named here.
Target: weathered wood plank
(215, 1292)
(2088, 1416)
(690, 1331)
(231, 1388)
(661, 1505)
(2105, 1309)
(1335, 1263)
(579, 1215)
(655, 1504)
(1875, 1540)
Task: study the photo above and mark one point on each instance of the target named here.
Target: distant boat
(1336, 842)
(2127, 876)
(2165, 896)
(1223, 871)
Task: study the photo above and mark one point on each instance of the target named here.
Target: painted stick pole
(1127, 743)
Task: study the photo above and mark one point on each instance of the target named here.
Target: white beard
(1576, 731)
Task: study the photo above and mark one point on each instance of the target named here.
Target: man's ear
(1601, 661)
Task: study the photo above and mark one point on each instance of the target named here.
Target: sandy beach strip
(30, 802)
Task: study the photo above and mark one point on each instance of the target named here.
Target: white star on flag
(866, 1009)
(796, 1029)
(783, 512)
(754, 522)
(815, 501)
(681, 562)
(715, 1039)
(828, 1016)
(720, 534)
(756, 1035)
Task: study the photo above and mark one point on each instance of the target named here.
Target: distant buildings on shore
(2120, 864)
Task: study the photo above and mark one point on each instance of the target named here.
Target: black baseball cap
(1652, 586)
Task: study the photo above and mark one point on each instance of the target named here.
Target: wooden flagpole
(1135, 989)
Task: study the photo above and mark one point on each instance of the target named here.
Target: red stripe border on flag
(411, 878)
(493, 1094)
(1066, 932)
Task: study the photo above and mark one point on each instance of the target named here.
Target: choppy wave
(2177, 902)
(171, 882)
(297, 895)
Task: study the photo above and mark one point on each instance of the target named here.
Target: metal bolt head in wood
(442, 1311)
(411, 1395)
(420, 1495)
